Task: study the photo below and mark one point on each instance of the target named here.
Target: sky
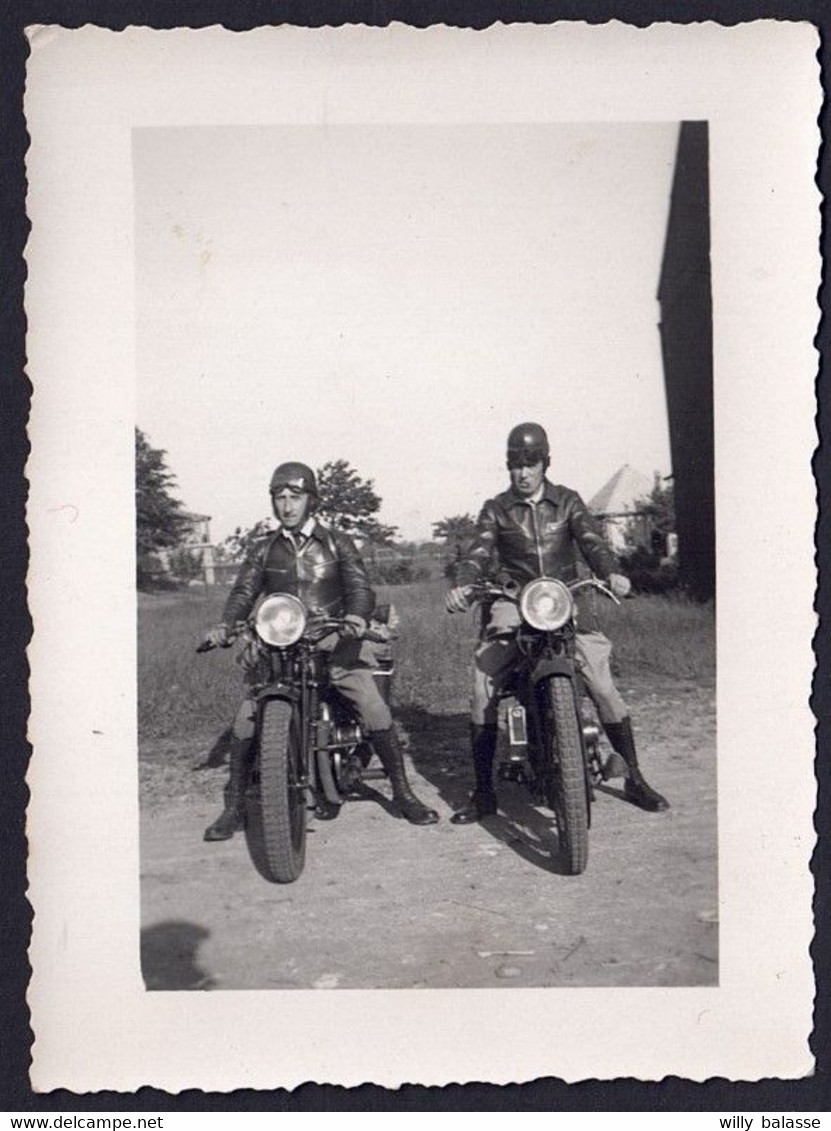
(399, 296)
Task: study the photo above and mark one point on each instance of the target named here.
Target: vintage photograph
(424, 474)
(421, 520)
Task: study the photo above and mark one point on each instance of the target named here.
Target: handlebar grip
(208, 646)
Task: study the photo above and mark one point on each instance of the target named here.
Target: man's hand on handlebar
(217, 637)
(621, 586)
(456, 600)
(353, 625)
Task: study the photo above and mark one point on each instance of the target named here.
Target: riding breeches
(351, 675)
(497, 654)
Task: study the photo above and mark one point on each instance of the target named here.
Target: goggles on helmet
(296, 486)
(525, 457)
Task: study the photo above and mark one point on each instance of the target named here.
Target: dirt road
(382, 904)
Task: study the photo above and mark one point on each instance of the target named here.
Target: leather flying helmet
(528, 444)
(296, 476)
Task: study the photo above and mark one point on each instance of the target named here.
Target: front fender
(277, 690)
(553, 665)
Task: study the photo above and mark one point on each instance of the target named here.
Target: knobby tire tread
(569, 778)
(284, 857)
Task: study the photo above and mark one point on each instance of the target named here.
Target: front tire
(282, 800)
(566, 772)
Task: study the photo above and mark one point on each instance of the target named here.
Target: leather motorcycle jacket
(525, 540)
(327, 573)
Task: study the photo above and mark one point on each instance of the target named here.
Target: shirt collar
(305, 531)
(546, 490)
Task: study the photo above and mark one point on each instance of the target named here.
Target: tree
(160, 521)
(457, 533)
(458, 528)
(350, 503)
(647, 566)
(377, 533)
(235, 546)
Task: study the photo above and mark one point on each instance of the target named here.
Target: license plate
(517, 730)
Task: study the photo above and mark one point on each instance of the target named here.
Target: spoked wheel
(566, 773)
(282, 798)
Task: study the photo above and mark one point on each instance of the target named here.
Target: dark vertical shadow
(686, 326)
(439, 748)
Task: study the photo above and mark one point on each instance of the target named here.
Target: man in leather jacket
(324, 569)
(534, 530)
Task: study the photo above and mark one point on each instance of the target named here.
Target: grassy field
(183, 694)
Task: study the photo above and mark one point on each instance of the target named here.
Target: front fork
(519, 765)
(302, 694)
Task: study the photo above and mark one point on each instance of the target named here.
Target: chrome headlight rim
(560, 615)
(280, 620)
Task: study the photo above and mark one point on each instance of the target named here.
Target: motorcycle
(553, 751)
(310, 753)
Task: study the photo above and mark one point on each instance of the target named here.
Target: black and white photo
(452, 393)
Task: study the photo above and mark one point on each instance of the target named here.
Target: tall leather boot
(386, 746)
(483, 800)
(636, 788)
(232, 817)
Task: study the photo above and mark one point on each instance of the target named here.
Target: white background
(399, 295)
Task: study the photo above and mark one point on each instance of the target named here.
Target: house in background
(615, 507)
(196, 540)
(199, 529)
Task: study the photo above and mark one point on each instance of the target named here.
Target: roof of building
(620, 493)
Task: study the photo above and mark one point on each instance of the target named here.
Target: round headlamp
(280, 620)
(546, 604)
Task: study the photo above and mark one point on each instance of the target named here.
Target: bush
(649, 573)
(152, 576)
(149, 571)
(402, 572)
(185, 564)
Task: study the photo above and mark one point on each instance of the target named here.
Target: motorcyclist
(323, 568)
(535, 529)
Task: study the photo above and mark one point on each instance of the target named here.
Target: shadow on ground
(168, 956)
(218, 753)
(439, 747)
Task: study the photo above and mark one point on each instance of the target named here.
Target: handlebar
(510, 591)
(315, 631)
(596, 583)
